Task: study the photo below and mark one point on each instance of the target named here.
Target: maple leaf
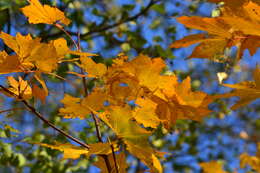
(253, 161)
(248, 91)
(31, 52)
(126, 80)
(80, 108)
(144, 113)
(44, 57)
(72, 108)
(212, 166)
(181, 103)
(247, 21)
(159, 98)
(73, 152)
(20, 88)
(121, 86)
(223, 32)
(120, 161)
(93, 69)
(39, 93)
(234, 5)
(136, 138)
(147, 71)
(38, 13)
(22, 46)
(9, 64)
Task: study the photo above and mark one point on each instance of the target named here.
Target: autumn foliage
(135, 96)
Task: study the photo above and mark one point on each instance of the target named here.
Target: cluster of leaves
(133, 97)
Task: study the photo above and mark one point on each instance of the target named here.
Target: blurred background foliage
(107, 28)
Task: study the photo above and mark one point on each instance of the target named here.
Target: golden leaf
(135, 137)
(120, 162)
(213, 166)
(248, 91)
(80, 108)
(253, 161)
(73, 152)
(20, 88)
(231, 29)
(9, 64)
(38, 13)
(93, 69)
(39, 93)
(73, 108)
(145, 114)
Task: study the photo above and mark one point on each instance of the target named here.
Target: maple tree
(131, 97)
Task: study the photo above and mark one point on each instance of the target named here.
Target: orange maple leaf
(212, 166)
(20, 88)
(223, 32)
(247, 91)
(120, 162)
(119, 119)
(38, 13)
(73, 152)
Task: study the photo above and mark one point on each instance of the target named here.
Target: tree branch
(105, 157)
(120, 22)
(33, 110)
(114, 158)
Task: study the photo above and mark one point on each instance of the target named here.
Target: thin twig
(9, 110)
(68, 34)
(105, 157)
(33, 110)
(114, 158)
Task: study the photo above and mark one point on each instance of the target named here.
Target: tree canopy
(129, 86)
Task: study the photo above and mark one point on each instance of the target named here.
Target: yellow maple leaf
(181, 103)
(9, 64)
(253, 161)
(145, 114)
(73, 108)
(44, 57)
(21, 45)
(247, 21)
(121, 86)
(147, 71)
(212, 166)
(223, 32)
(93, 69)
(31, 52)
(136, 138)
(39, 93)
(127, 80)
(120, 162)
(38, 13)
(20, 88)
(247, 91)
(80, 108)
(73, 152)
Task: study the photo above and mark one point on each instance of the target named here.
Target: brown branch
(9, 110)
(114, 158)
(105, 157)
(120, 22)
(33, 110)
